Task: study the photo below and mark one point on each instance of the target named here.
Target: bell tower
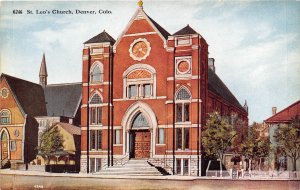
(43, 72)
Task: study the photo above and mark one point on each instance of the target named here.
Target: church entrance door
(4, 146)
(140, 142)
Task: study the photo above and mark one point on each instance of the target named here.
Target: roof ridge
(226, 87)
(99, 38)
(6, 75)
(162, 30)
(227, 95)
(61, 84)
(186, 30)
(283, 109)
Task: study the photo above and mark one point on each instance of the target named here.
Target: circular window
(139, 49)
(183, 67)
(4, 92)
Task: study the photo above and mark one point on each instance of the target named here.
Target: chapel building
(147, 96)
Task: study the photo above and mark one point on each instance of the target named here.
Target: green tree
(254, 147)
(288, 139)
(217, 136)
(51, 141)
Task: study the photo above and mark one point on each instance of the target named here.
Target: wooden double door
(140, 142)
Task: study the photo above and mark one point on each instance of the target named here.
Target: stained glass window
(183, 95)
(140, 121)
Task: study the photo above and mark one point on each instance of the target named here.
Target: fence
(254, 174)
(272, 174)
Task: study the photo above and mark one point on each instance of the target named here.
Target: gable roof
(72, 129)
(161, 31)
(63, 99)
(30, 96)
(285, 115)
(216, 86)
(102, 37)
(164, 32)
(186, 30)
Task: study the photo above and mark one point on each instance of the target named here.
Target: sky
(256, 44)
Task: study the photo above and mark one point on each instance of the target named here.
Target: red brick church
(146, 96)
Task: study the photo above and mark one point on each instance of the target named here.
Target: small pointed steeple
(43, 72)
(246, 106)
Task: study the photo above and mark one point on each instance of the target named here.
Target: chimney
(211, 64)
(274, 110)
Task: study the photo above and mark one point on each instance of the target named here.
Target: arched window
(183, 94)
(96, 74)
(95, 110)
(96, 99)
(183, 99)
(140, 121)
(5, 117)
(139, 82)
(4, 136)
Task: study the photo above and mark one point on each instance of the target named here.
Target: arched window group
(182, 105)
(139, 82)
(96, 75)
(95, 110)
(182, 102)
(5, 117)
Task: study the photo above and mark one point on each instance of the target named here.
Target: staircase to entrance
(5, 163)
(133, 167)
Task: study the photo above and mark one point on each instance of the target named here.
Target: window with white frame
(182, 138)
(183, 41)
(95, 110)
(117, 136)
(182, 166)
(182, 105)
(96, 75)
(95, 139)
(5, 117)
(95, 165)
(13, 146)
(161, 136)
(139, 84)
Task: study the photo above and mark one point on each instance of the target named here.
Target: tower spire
(246, 106)
(43, 72)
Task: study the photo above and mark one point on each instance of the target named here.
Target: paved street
(17, 180)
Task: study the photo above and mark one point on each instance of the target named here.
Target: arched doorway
(133, 122)
(139, 137)
(4, 145)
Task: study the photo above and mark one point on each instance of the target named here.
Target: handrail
(4, 159)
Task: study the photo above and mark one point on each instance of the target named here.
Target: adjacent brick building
(146, 95)
(27, 108)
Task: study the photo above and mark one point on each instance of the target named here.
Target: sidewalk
(168, 177)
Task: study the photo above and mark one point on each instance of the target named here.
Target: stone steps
(132, 168)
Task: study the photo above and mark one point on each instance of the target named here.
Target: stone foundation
(167, 164)
(83, 164)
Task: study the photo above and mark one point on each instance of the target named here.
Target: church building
(27, 109)
(147, 95)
